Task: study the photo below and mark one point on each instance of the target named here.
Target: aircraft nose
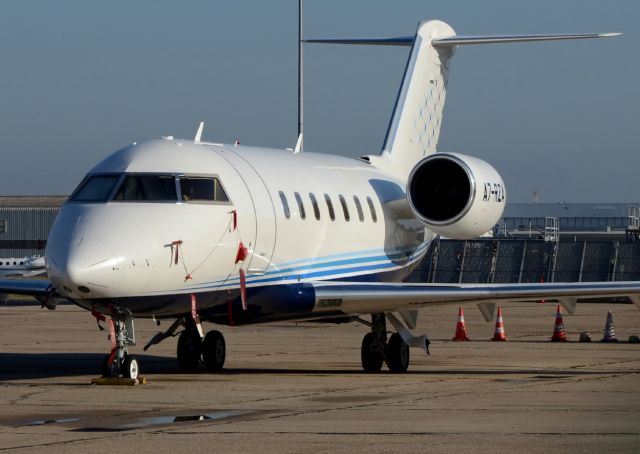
(89, 268)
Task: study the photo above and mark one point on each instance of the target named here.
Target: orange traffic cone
(461, 331)
(558, 330)
(542, 282)
(499, 334)
(609, 332)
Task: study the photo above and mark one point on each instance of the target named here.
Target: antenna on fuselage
(198, 136)
(300, 144)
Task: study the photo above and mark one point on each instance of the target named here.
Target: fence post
(584, 249)
(614, 262)
(524, 254)
(464, 253)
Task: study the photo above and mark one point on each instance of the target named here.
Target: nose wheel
(119, 362)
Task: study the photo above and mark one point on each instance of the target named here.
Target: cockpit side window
(152, 188)
(95, 188)
(202, 189)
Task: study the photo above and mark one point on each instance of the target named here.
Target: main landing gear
(119, 362)
(394, 351)
(193, 349)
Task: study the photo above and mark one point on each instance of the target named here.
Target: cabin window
(202, 189)
(345, 208)
(150, 188)
(303, 215)
(96, 188)
(3, 226)
(372, 207)
(359, 208)
(314, 204)
(285, 205)
(332, 214)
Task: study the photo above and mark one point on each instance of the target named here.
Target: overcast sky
(80, 79)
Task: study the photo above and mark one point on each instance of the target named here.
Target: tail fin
(414, 129)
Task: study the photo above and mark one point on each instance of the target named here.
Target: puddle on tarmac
(164, 420)
(109, 423)
(43, 422)
(171, 419)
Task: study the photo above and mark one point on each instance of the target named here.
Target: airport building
(604, 221)
(25, 223)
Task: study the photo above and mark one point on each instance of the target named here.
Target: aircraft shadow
(17, 366)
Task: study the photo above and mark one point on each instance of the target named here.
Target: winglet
(198, 136)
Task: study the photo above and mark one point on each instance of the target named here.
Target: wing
(33, 287)
(367, 298)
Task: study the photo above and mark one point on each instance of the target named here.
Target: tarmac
(298, 387)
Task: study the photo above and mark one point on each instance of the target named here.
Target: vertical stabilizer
(414, 129)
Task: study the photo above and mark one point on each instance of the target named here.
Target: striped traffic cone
(542, 301)
(609, 332)
(558, 330)
(499, 334)
(461, 330)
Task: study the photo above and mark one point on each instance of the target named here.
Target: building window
(285, 205)
(359, 208)
(332, 214)
(374, 216)
(314, 204)
(345, 209)
(3, 226)
(303, 215)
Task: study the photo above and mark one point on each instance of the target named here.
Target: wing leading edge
(366, 298)
(34, 287)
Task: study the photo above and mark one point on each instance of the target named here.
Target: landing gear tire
(189, 351)
(213, 351)
(397, 354)
(109, 370)
(370, 354)
(131, 367)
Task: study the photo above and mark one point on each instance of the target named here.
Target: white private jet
(25, 266)
(195, 231)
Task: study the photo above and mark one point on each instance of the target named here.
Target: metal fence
(513, 261)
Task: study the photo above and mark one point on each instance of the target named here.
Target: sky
(80, 79)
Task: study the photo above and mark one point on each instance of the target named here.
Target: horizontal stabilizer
(398, 41)
(494, 39)
(457, 40)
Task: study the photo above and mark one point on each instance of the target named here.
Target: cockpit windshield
(155, 188)
(96, 188)
(150, 187)
(202, 189)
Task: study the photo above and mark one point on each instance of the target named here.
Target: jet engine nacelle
(455, 195)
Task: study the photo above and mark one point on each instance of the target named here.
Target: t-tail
(414, 129)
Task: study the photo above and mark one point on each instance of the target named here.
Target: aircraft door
(264, 239)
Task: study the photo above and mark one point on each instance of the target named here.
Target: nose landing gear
(119, 362)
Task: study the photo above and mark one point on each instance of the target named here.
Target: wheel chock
(119, 381)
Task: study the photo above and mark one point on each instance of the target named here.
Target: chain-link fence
(512, 261)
